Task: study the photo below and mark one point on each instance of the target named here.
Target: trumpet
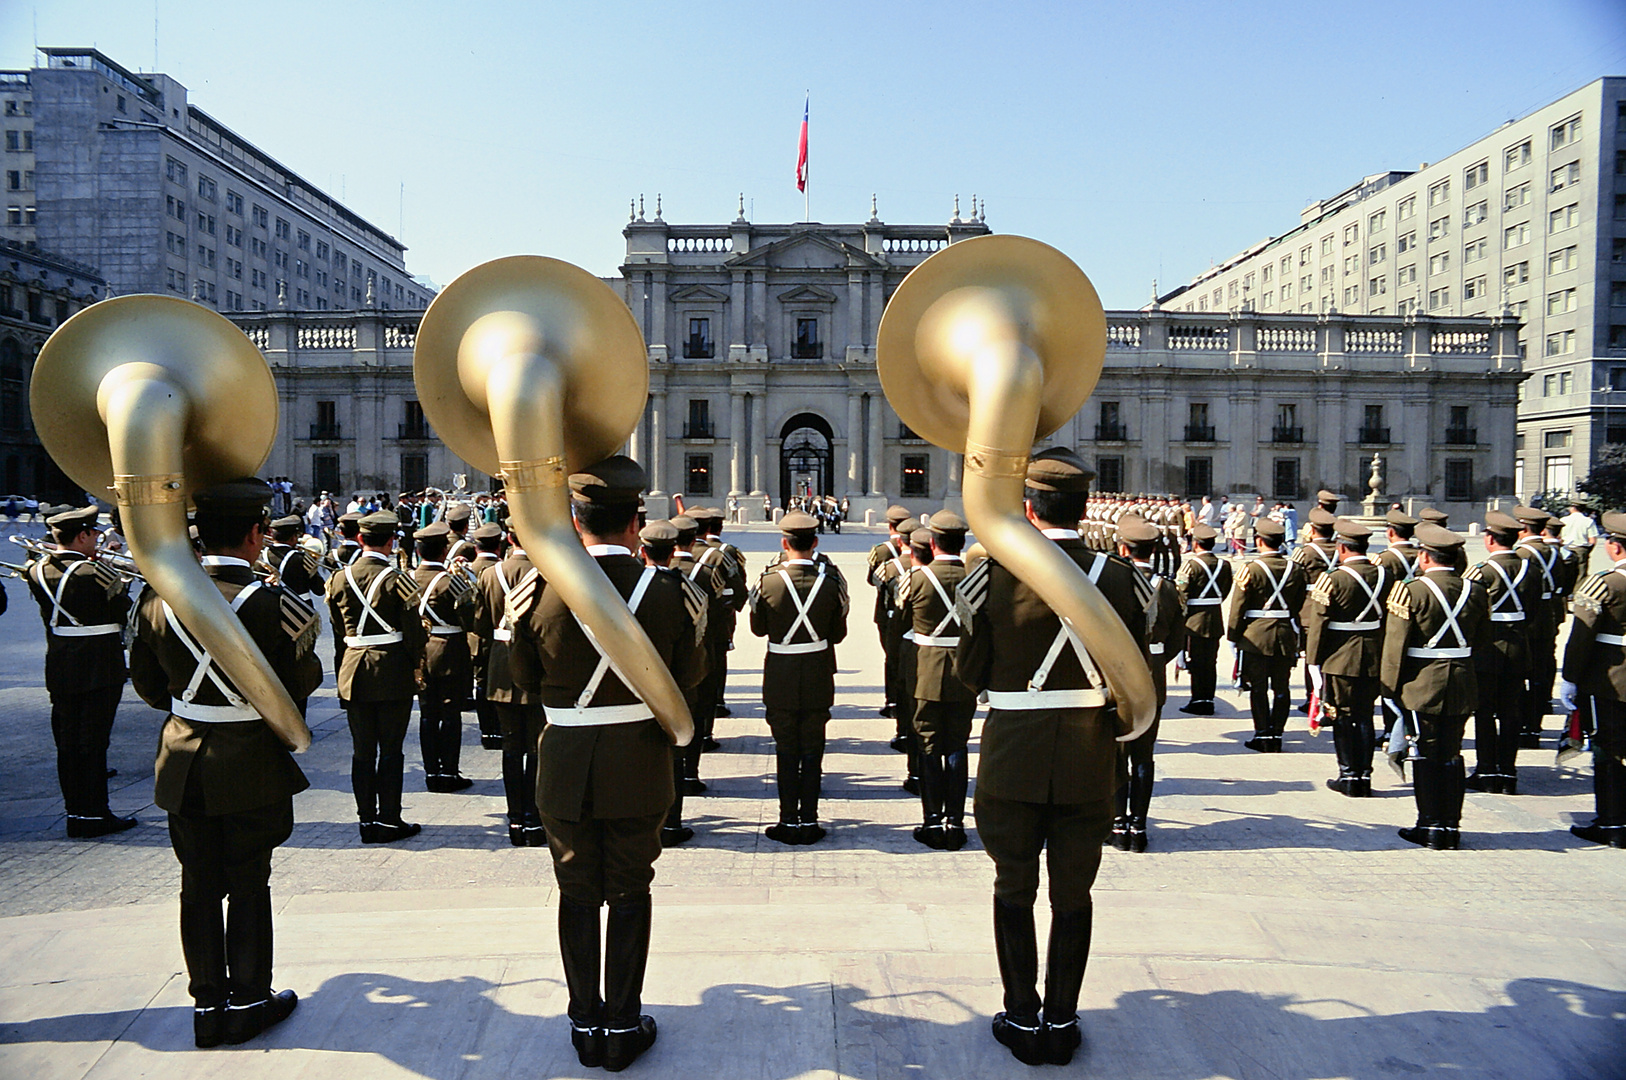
(13, 570)
(122, 565)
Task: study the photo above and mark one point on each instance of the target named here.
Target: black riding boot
(1140, 800)
(930, 831)
(955, 778)
(249, 947)
(788, 777)
(579, 949)
(1063, 978)
(627, 1032)
(808, 788)
(203, 944)
(1343, 739)
(1017, 949)
(1451, 790)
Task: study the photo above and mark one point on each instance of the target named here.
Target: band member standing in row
(800, 606)
(1435, 625)
(374, 611)
(735, 589)
(448, 670)
(488, 542)
(885, 611)
(1138, 543)
(1046, 770)
(349, 539)
(605, 765)
(657, 547)
(1544, 622)
(224, 777)
(1512, 587)
(1318, 555)
(896, 631)
(299, 571)
(459, 546)
(1204, 581)
(1269, 592)
(702, 569)
(1399, 555)
(1595, 674)
(84, 605)
(943, 705)
(1343, 650)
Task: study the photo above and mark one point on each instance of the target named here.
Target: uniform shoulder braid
(299, 620)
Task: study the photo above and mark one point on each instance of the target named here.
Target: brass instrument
(988, 346)
(122, 565)
(8, 569)
(157, 397)
(530, 367)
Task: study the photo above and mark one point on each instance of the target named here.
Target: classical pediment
(806, 294)
(805, 251)
(698, 294)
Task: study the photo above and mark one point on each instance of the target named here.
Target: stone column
(736, 443)
(956, 464)
(657, 444)
(855, 443)
(759, 446)
(877, 444)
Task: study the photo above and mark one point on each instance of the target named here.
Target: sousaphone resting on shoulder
(155, 397)
(530, 368)
(987, 346)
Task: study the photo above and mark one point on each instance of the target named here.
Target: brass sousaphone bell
(156, 397)
(530, 368)
(987, 346)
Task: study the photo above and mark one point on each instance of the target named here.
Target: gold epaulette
(299, 621)
(1322, 593)
(522, 598)
(107, 577)
(1399, 603)
(696, 604)
(972, 591)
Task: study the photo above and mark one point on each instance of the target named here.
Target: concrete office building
(1529, 220)
(119, 171)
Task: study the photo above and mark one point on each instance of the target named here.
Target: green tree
(1606, 483)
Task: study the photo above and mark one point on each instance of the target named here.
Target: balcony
(698, 348)
(807, 350)
(326, 433)
(413, 432)
(1287, 434)
(1199, 433)
(703, 429)
(1461, 436)
(1111, 431)
(1374, 436)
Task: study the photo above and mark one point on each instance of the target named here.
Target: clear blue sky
(1144, 139)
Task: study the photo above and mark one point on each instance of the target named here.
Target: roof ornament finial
(1155, 305)
(973, 206)
(956, 220)
(657, 206)
(742, 207)
(632, 209)
(282, 293)
(640, 206)
(874, 212)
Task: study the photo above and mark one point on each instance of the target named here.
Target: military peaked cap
(1203, 532)
(1350, 530)
(1269, 529)
(1318, 516)
(246, 497)
(1433, 516)
(616, 480)
(904, 527)
(1134, 529)
(1400, 519)
(1434, 538)
(292, 521)
(947, 522)
(1501, 526)
(1058, 469)
(1328, 497)
(686, 527)
(1614, 526)
(658, 532)
(434, 532)
(489, 531)
(83, 517)
(457, 512)
(1531, 517)
(797, 522)
(895, 514)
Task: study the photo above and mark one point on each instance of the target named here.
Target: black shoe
(388, 832)
(930, 835)
(622, 1046)
(1508, 786)
(208, 1026)
(1609, 835)
(516, 835)
(886, 711)
(1119, 836)
(1478, 781)
(672, 837)
(1025, 1039)
(900, 744)
(1530, 740)
(810, 832)
(1137, 838)
(1305, 709)
(245, 1022)
(1257, 744)
(1360, 787)
(1198, 708)
(693, 786)
(1434, 837)
(491, 742)
(1344, 785)
(723, 710)
(710, 745)
(786, 832)
(1060, 1042)
(88, 828)
(536, 836)
(954, 837)
(456, 782)
(589, 1044)
(912, 785)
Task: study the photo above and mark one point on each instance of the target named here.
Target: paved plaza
(1273, 930)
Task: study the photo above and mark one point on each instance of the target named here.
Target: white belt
(446, 631)
(1352, 627)
(908, 635)
(1439, 654)
(1263, 613)
(1507, 616)
(1082, 698)
(945, 642)
(211, 714)
(1610, 639)
(596, 715)
(728, 592)
(798, 649)
(502, 633)
(87, 631)
(1209, 602)
(367, 641)
(1155, 648)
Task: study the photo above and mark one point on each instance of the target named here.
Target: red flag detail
(801, 154)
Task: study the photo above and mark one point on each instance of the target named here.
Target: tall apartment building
(1529, 221)
(119, 171)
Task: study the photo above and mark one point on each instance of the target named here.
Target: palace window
(697, 468)
(698, 345)
(916, 475)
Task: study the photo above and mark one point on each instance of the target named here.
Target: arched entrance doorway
(806, 457)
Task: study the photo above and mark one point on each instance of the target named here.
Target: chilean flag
(801, 153)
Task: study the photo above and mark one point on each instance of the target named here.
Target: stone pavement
(1274, 929)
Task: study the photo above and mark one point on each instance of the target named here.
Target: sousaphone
(155, 397)
(530, 368)
(988, 346)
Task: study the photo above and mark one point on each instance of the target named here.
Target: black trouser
(521, 736)
(485, 710)
(1269, 691)
(82, 724)
(440, 724)
(1135, 775)
(1437, 774)
(1202, 657)
(798, 736)
(377, 731)
(1348, 700)
(1498, 722)
(1543, 670)
(227, 857)
(889, 676)
(1609, 760)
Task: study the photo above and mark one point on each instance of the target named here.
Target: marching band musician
(488, 542)
(735, 589)
(943, 705)
(1543, 624)
(1045, 774)
(1343, 651)
(887, 579)
(885, 610)
(657, 544)
(800, 606)
(374, 610)
(1595, 669)
(1165, 626)
(1204, 582)
(459, 545)
(1435, 625)
(1269, 592)
(448, 669)
(706, 574)
(1513, 590)
(348, 544)
(297, 570)
(605, 765)
(1317, 555)
(1399, 556)
(224, 777)
(84, 604)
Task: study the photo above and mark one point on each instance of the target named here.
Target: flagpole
(807, 195)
